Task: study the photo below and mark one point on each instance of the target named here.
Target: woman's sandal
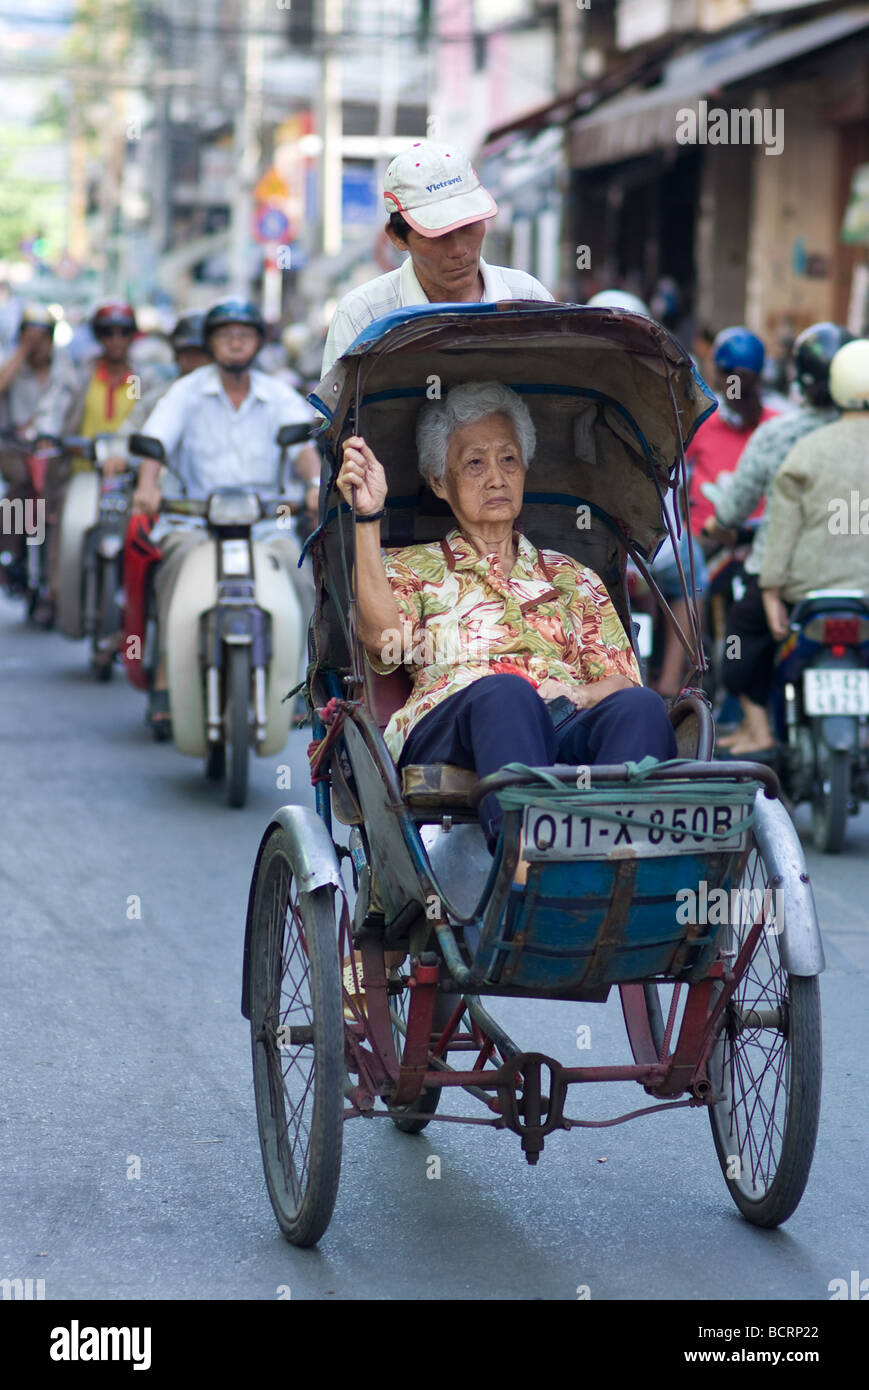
(159, 718)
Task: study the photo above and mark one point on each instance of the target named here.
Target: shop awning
(636, 122)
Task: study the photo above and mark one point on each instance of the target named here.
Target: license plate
(235, 557)
(672, 829)
(836, 692)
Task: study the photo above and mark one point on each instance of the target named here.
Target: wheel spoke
(292, 1068)
(754, 1059)
(297, 1047)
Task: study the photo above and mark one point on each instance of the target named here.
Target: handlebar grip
(79, 444)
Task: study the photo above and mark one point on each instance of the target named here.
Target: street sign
(271, 188)
(360, 196)
(270, 224)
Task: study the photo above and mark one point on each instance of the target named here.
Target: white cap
(849, 375)
(618, 299)
(435, 189)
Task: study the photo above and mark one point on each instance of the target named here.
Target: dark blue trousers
(502, 719)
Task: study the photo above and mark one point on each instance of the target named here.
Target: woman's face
(485, 476)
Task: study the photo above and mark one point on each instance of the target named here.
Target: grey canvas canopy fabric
(613, 397)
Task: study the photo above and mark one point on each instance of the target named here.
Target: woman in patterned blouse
(515, 654)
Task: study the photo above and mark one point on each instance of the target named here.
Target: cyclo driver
(218, 427)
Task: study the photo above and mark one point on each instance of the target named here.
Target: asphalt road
(129, 1158)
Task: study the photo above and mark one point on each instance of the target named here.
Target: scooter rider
(718, 444)
(817, 537)
(98, 402)
(748, 673)
(31, 370)
(437, 211)
(108, 389)
(191, 351)
(218, 426)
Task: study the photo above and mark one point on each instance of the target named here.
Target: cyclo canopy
(613, 397)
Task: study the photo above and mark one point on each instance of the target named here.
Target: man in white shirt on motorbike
(218, 428)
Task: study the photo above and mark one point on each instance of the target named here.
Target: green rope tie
(550, 792)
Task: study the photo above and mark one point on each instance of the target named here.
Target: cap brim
(436, 219)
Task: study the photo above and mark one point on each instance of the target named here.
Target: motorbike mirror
(293, 434)
(146, 446)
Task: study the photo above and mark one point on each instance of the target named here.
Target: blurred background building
(170, 150)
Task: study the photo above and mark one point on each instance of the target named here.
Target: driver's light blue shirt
(210, 444)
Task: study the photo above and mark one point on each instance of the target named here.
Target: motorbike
(821, 710)
(27, 575)
(90, 599)
(234, 629)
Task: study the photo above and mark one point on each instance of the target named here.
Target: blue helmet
(735, 349)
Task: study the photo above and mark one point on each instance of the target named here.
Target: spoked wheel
(237, 722)
(766, 1065)
(297, 1036)
(830, 800)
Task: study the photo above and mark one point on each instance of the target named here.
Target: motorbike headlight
(234, 508)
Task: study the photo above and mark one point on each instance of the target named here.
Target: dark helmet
(113, 313)
(189, 333)
(812, 352)
(234, 311)
(735, 349)
(35, 315)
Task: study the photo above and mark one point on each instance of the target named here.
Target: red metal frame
(519, 1101)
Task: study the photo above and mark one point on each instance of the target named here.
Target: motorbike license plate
(671, 829)
(836, 692)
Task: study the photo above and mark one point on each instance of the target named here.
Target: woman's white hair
(465, 405)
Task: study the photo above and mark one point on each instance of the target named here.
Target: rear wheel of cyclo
(237, 726)
(297, 1037)
(766, 1064)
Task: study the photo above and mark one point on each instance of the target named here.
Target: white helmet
(618, 299)
(849, 375)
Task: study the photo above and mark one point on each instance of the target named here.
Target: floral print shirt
(464, 618)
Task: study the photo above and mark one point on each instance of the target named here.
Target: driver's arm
(751, 479)
(166, 423)
(785, 522)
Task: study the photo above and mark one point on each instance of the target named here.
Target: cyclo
(721, 1007)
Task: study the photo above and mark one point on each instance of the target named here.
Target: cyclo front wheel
(766, 1066)
(297, 1038)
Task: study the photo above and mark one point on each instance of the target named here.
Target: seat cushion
(435, 785)
(386, 694)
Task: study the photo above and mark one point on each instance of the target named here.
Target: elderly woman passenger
(516, 654)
